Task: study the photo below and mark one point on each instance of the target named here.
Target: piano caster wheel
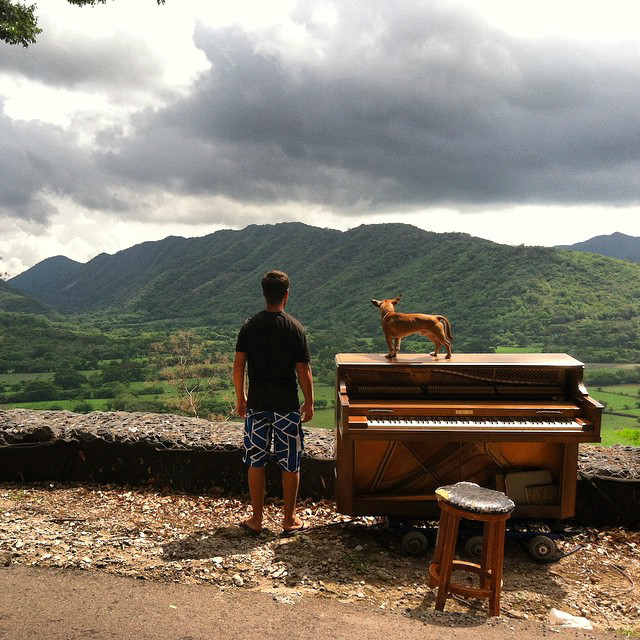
(415, 543)
(542, 549)
(473, 547)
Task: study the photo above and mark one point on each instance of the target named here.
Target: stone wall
(188, 454)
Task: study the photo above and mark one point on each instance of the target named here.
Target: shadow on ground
(357, 562)
(223, 541)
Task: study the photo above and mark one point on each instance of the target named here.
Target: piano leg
(345, 459)
(568, 482)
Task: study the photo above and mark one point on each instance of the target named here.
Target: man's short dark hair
(275, 285)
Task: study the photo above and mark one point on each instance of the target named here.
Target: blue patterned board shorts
(260, 427)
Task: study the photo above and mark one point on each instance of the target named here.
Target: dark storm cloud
(36, 159)
(75, 61)
(396, 106)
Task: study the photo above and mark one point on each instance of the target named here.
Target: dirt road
(55, 604)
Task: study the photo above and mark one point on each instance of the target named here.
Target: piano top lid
(466, 359)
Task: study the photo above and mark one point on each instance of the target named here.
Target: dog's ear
(375, 303)
(396, 300)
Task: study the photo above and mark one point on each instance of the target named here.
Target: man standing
(273, 345)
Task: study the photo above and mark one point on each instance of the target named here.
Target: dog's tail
(447, 327)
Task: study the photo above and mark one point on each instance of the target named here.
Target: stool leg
(442, 527)
(497, 561)
(446, 560)
(436, 559)
(488, 546)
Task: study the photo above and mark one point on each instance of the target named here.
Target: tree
(39, 390)
(123, 371)
(68, 379)
(183, 350)
(19, 23)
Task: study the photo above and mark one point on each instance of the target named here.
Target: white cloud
(573, 19)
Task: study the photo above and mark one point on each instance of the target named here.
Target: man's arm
(239, 364)
(303, 369)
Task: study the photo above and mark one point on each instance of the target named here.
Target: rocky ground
(617, 461)
(155, 535)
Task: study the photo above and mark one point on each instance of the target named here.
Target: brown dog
(398, 325)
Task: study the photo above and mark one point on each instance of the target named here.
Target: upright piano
(508, 421)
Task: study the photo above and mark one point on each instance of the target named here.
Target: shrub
(128, 402)
(68, 379)
(82, 407)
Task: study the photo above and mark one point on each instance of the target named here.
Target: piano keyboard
(464, 424)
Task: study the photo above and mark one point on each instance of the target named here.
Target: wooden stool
(472, 502)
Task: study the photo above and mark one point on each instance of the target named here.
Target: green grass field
(15, 378)
(619, 430)
(533, 349)
(624, 389)
(325, 418)
(618, 402)
(98, 404)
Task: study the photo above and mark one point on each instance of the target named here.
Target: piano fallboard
(461, 408)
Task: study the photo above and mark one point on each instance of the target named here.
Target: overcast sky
(517, 122)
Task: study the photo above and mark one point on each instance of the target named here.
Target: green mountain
(495, 295)
(616, 245)
(48, 279)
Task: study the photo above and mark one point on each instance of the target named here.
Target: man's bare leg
(290, 483)
(256, 491)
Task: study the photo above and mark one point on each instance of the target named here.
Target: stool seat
(472, 497)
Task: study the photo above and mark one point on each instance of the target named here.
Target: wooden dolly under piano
(511, 422)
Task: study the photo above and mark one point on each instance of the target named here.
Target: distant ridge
(615, 245)
(494, 295)
(48, 278)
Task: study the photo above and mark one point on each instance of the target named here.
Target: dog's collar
(386, 315)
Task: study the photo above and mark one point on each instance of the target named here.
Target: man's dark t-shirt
(273, 342)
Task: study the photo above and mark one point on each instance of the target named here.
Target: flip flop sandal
(287, 533)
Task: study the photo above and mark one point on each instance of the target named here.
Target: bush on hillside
(82, 407)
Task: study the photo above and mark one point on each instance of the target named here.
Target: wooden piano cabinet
(396, 471)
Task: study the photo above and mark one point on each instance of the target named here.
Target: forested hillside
(13, 300)
(495, 295)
